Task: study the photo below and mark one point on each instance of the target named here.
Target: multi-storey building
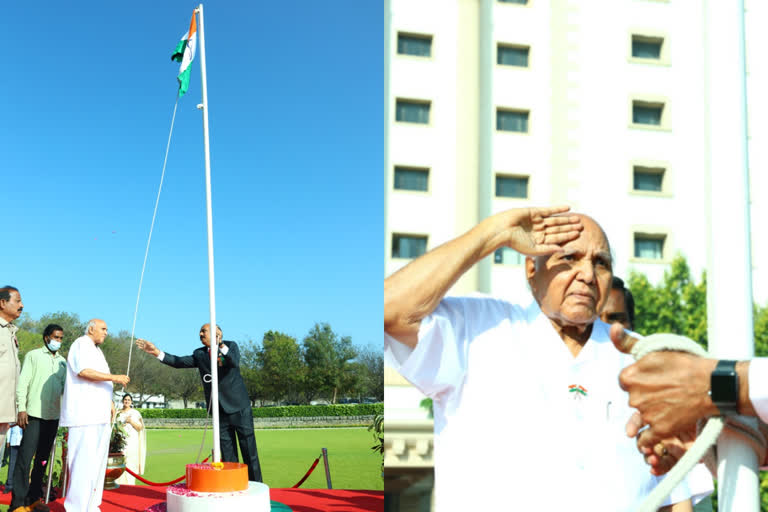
(601, 105)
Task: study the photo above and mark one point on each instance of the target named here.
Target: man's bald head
(205, 335)
(571, 286)
(97, 330)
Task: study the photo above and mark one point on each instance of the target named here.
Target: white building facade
(599, 105)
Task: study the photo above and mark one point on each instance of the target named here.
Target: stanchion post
(65, 476)
(327, 469)
(51, 463)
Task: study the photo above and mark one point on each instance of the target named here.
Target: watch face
(725, 385)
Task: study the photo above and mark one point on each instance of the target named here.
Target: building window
(648, 179)
(512, 120)
(509, 55)
(408, 246)
(647, 113)
(649, 247)
(507, 256)
(407, 178)
(413, 44)
(644, 47)
(512, 186)
(409, 111)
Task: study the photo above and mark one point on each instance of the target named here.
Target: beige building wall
(581, 145)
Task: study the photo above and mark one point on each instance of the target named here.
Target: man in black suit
(235, 415)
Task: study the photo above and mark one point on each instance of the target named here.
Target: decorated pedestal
(218, 489)
(115, 469)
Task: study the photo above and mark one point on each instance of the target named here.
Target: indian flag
(185, 53)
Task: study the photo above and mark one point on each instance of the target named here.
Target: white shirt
(85, 402)
(518, 419)
(758, 386)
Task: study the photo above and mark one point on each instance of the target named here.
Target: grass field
(285, 456)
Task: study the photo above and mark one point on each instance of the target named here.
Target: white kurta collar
(545, 332)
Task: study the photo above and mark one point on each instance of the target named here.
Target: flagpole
(729, 290)
(213, 332)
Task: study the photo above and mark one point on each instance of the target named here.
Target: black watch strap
(724, 387)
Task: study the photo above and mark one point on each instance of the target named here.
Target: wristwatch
(724, 387)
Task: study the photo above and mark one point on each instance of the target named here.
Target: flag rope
(149, 239)
(108, 436)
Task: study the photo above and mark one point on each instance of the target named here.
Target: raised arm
(414, 291)
(169, 359)
(97, 376)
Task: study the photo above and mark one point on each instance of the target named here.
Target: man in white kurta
(528, 411)
(519, 420)
(86, 408)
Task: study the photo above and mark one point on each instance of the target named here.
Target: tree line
(678, 305)
(323, 366)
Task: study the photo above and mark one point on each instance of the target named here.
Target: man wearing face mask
(38, 397)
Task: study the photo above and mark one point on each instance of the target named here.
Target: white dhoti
(86, 461)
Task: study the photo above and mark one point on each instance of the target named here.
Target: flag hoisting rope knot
(185, 53)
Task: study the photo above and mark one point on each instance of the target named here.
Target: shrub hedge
(288, 411)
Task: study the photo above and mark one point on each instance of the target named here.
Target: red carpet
(140, 497)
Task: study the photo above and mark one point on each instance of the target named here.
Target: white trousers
(87, 449)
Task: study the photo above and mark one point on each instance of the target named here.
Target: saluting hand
(540, 231)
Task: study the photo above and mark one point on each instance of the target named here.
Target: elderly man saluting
(85, 409)
(528, 411)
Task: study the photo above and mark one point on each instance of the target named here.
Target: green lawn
(285, 454)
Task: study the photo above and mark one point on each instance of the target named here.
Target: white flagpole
(211, 288)
(729, 286)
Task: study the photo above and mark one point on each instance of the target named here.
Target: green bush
(173, 413)
(288, 411)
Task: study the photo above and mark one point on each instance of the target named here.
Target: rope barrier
(304, 478)
(144, 480)
(177, 480)
(138, 477)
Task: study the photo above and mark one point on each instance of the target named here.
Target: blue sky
(295, 94)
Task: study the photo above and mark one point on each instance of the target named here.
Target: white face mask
(54, 345)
